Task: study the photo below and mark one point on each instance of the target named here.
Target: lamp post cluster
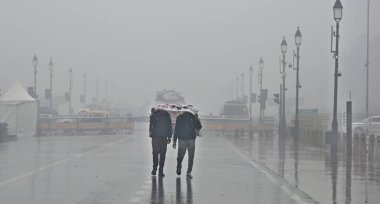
(68, 95)
(235, 87)
(281, 98)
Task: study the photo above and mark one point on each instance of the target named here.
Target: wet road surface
(327, 178)
(116, 169)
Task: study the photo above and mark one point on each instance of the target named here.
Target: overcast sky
(197, 47)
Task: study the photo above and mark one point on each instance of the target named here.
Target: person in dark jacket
(160, 130)
(185, 131)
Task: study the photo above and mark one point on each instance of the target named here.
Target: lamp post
(261, 65)
(242, 86)
(35, 62)
(250, 92)
(84, 90)
(237, 88)
(338, 9)
(283, 117)
(96, 90)
(70, 89)
(298, 39)
(106, 91)
(51, 83)
(367, 64)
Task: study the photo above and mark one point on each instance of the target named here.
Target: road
(116, 169)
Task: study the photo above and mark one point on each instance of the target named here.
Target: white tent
(19, 110)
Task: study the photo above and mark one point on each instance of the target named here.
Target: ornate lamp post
(298, 39)
(237, 88)
(367, 64)
(84, 90)
(51, 83)
(338, 10)
(284, 47)
(70, 89)
(242, 86)
(250, 92)
(261, 65)
(96, 90)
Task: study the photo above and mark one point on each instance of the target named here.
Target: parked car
(368, 126)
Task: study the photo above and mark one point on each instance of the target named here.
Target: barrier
(80, 125)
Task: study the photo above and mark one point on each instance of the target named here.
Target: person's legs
(163, 148)
(191, 150)
(155, 153)
(181, 154)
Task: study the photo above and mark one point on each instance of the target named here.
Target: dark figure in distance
(160, 130)
(186, 129)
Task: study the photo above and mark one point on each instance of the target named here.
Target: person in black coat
(185, 131)
(160, 130)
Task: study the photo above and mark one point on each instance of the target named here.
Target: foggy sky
(195, 47)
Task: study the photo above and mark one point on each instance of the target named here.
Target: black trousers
(159, 146)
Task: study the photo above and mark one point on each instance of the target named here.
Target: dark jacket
(185, 127)
(160, 125)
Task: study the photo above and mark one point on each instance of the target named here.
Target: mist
(196, 47)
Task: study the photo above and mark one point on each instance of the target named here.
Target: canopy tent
(19, 110)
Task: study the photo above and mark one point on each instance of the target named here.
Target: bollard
(349, 128)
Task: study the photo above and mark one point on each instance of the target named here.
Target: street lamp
(35, 62)
(297, 39)
(51, 83)
(84, 90)
(70, 89)
(367, 64)
(96, 90)
(237, 88)
(261, 65)
(250, 92)
(242, 86)
(338, 10)
(284, 47)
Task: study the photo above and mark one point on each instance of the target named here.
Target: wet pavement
(116, 169)
(308, 164)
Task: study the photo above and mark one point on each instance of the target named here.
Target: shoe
(178, 171)
(153, 173)
(189, 176)
(161, 174)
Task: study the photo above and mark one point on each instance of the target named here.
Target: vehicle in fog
(235, 109)
(169, 97)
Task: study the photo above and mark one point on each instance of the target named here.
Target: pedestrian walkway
(222, 174)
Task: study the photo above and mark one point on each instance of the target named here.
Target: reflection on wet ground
(343, 177)
(158, 193)
(116, 169)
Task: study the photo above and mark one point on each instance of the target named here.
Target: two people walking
(160, 129)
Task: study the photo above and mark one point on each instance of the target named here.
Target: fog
(196, 47)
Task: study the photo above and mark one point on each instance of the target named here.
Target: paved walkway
(116, 169)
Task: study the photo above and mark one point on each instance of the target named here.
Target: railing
(81, 125)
